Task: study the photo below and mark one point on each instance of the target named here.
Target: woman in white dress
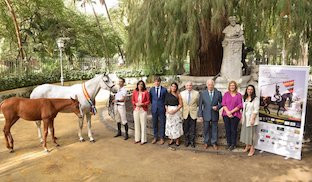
(173, 104)
(250, 119)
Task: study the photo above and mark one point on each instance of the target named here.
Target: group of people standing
(175, 113)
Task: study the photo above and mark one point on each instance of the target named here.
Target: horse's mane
(94, 78)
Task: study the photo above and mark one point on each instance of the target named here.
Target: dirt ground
(116, 160)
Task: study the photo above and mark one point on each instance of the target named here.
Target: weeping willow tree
(166, 32)
(284, 25)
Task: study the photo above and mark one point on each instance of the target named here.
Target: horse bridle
(110, 94)
(110, 87)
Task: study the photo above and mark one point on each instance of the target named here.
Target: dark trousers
(159, 118)
(189, 129)
(211, 128)
(231, 125)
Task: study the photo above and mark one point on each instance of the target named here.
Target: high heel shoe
(251, 153)
(246, 149)
(170, 142)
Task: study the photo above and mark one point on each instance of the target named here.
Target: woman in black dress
(173, 104)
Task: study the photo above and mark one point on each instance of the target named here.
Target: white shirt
(159, 89)
(139, 101)
(122, 92)
(189, 97)
(249, 109)
(210, 93)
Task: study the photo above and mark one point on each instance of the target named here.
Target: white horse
(92, 87)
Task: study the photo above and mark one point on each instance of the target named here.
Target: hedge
(32, 79)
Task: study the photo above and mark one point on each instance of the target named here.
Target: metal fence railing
(17, 68)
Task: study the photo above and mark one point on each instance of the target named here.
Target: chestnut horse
(34, 110)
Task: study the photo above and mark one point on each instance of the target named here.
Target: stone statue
(233, 31)
(231, 68)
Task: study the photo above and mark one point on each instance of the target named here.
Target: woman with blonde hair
(173, 104)
(232, 105)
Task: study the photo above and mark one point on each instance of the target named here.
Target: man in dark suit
(157, 96)
(210, 102)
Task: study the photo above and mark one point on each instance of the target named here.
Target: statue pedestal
(231, 68)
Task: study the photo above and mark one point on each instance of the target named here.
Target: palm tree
(110, 20)
(90, 2)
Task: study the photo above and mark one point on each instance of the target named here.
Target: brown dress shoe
(162, 141)
(215, 147)
(154, 141)
(206, 146)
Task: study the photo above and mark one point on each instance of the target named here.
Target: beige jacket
(192, 107)
(249, 109)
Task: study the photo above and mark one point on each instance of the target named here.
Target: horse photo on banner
(283, 95)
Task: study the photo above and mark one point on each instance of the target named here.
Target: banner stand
(283, 98)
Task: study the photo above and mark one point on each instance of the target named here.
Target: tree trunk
(110, 20)
(207, 61)
(303, 59)
(17, 29)
(284, 53)
(101, 30)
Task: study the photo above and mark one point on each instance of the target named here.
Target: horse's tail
(1, 105)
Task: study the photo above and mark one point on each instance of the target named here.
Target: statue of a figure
(233, 30)
(231, 68)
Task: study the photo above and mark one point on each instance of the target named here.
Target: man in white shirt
(120, 108)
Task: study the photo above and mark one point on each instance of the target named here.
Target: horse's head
(106, 83)
(76, 107)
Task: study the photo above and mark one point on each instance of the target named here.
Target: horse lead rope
(85, 93)
(111, 109)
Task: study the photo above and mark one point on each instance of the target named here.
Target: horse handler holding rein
(120, 108)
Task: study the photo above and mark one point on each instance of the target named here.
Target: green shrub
(130, 73)
(3, 97)
(13, 82)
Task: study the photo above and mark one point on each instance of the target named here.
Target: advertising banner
(283, 96)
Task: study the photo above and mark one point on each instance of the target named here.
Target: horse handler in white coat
(120, 108)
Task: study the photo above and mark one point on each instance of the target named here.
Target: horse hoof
(11, 151)
(92, 141)
(57, 145)
(46, 150)
(81, 140)
(55, 138)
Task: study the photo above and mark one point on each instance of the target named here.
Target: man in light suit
(210, 102)
(189, 112)
(157, 96)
